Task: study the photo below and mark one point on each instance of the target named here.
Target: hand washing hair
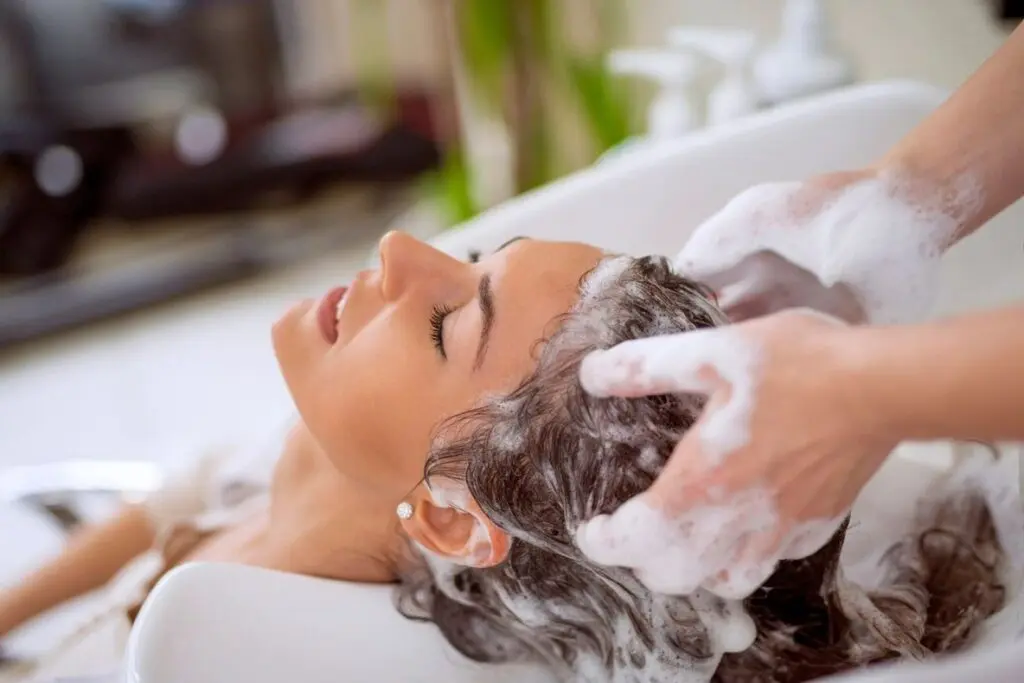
(545, 457)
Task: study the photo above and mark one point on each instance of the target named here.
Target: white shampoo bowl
(216, 623)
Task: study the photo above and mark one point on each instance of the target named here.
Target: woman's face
(421, 339)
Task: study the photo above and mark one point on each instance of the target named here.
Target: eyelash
(441, 312)
(437, 327)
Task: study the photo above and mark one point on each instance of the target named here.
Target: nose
(405, 260)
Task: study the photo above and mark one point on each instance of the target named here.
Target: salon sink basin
(644, 202)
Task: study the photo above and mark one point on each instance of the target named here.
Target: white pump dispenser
(670, 114)
(734, 96)
(803, 61)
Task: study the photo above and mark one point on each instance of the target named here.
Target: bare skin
(977, 132)
(368, 404)
(966, 157)
(829, 401)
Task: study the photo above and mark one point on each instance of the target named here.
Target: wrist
(876, 384)
(939, 180)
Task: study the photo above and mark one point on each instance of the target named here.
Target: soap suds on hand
(702, 547)
(677, 363)
(883, 237)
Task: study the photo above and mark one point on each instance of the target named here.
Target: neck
(326, 524)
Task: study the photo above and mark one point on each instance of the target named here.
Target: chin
(285, 331)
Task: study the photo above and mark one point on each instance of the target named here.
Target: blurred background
(174, 173)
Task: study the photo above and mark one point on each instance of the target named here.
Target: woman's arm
(92, 558)
(961, 378)
(974, 140)
(800, 414)
(95, 555)
(863, 244)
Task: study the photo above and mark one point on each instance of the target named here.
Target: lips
(327, 314)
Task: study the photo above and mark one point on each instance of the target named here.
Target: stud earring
(404, 510)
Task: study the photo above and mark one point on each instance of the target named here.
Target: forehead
(534, 282)
(529, 263)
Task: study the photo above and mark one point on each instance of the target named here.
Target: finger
(742, 580)
(663, 578)
(733, 531)
(747, 579)
(748, 556)
(734, 628)
(623, 538)
(641, 537)
(668, 364)
(714, 248)
(744, 310)
(808, 538)
(742, 301)
(735, 232)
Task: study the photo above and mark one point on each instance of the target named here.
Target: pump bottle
(671, 113)
(735, 95)
(803, 61)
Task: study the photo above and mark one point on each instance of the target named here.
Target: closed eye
(437, 317)
(486, 299)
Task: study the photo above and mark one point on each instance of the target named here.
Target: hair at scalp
(547, 456)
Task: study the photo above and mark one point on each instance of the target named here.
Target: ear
(460, 532)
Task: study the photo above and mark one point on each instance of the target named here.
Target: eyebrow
(485, 295)
(511, 241)
(486, 298)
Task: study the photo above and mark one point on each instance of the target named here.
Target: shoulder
(217, 478)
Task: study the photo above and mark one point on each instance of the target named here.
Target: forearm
(92, 558)
(973, 145)
(961, 378)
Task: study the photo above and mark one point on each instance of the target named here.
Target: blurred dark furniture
(1009, 10)
(91, 95)
(80, 79)
(40, 112)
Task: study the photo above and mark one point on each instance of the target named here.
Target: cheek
(371, 405)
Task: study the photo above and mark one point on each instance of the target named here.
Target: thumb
(641, 537)
(620, 538)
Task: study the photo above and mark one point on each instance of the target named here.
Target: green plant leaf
(450, 186)
(375, 79)
(485, 45)
(601, 100)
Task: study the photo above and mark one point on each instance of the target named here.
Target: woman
(374, 370)
(545, 458)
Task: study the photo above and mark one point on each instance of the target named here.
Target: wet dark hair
(547, 456)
